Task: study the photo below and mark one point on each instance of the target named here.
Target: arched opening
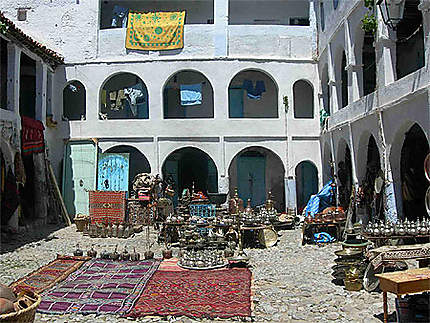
(306, 183)
(255, 171)
(410, 40)
(74, 101)
(368, 57)
(137, 162)
(252, 94)
(372, 188)
(27, 87)
(344, 174)
(322, 15)
(344, 81)
(303, 100)
(327, 164)
(188, 95)
(414, 184)
(191, 167)
(325, 89)
(124, 96)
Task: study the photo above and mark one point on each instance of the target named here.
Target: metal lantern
(392, 11)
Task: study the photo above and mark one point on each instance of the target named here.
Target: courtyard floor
(292, 283)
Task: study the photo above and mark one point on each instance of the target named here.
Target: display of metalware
(202, 259)
(402, 228)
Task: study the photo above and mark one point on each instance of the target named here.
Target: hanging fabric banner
(32, 136)
(155, 30)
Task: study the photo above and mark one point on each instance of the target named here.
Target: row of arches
(254, 171)
(188, 94)
(353, 74)
(406, 164)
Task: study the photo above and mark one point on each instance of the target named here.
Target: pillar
(41, 88)
(389, 192)
(333, 158)
(290, 195)
(13, 71)
(385, 45)
(40, 187)
(355, 71)
(221, 28)
(424, 6)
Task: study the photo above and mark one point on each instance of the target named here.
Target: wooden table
(403, 283)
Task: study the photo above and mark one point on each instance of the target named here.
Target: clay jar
(167, 254)
(6, 292)
(149, 254)
(6, 306)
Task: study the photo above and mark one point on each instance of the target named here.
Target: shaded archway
(344, 81)
(255, 171)
(124, 96)
(74, 101)
(344, 173)
(414, 184)
(188, 95)
(368, 56)
(303, 94)
(410, 40)
(191, 167)
(306, 183)
(327, 165)
(252, 94)
(138, 163)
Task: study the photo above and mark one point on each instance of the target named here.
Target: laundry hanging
(191, 94)
(133, 93)
(155, 30)
(254, 93)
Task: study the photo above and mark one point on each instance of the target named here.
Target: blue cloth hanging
(254, 93)
(191, 94)
(323, 237)
(320, 201)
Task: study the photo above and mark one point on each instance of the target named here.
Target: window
(322, 17)
(74, 101)
(303, 100)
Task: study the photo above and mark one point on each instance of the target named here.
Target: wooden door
(79, 175)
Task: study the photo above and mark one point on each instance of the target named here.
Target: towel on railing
(155, 30)
(191, 94)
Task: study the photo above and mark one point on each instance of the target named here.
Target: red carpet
(107, 207)
(215, 293)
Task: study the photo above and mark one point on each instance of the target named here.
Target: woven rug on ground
(170, 264)
(107, 206)
(50, 274)
(216, 293)
(101, 287)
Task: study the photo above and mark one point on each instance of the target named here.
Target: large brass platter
(268, 237)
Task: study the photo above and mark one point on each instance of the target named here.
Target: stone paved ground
(292, 283)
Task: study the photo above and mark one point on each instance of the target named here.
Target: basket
(26, 315)
(81, 223)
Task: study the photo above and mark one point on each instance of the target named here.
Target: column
(385, 45)
(332, 84)
(13, 71)
(313, 25)
(290, 195)
(424, 6)
(353, 165)
(355, 71)
(221, 28)
(389, 193)
(333, 158)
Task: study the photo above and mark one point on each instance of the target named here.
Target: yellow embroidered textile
(155, 30)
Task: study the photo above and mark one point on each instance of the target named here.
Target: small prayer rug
(155, 30)
(107, 206)
(32, 136)
(193, 293)
(101, 287)
(50, 274)
(170, 264)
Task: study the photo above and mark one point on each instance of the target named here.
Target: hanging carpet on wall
(155, 30)
(32, 136)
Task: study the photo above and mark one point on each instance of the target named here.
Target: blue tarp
(320, 201)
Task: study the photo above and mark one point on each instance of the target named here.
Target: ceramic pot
(92, 253)
(167, 254)
(6, 292)
(6, 306)
(149, 254)
(78, 251)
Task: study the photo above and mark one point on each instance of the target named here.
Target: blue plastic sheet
(320, 201)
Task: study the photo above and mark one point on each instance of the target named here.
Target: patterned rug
(215, 293)
(170, 264)
(107, 207)
(50, 274)
(100, 286)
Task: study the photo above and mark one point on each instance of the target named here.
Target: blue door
(235, 99)
(251, 179)
(79, 175)
(113, 171)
